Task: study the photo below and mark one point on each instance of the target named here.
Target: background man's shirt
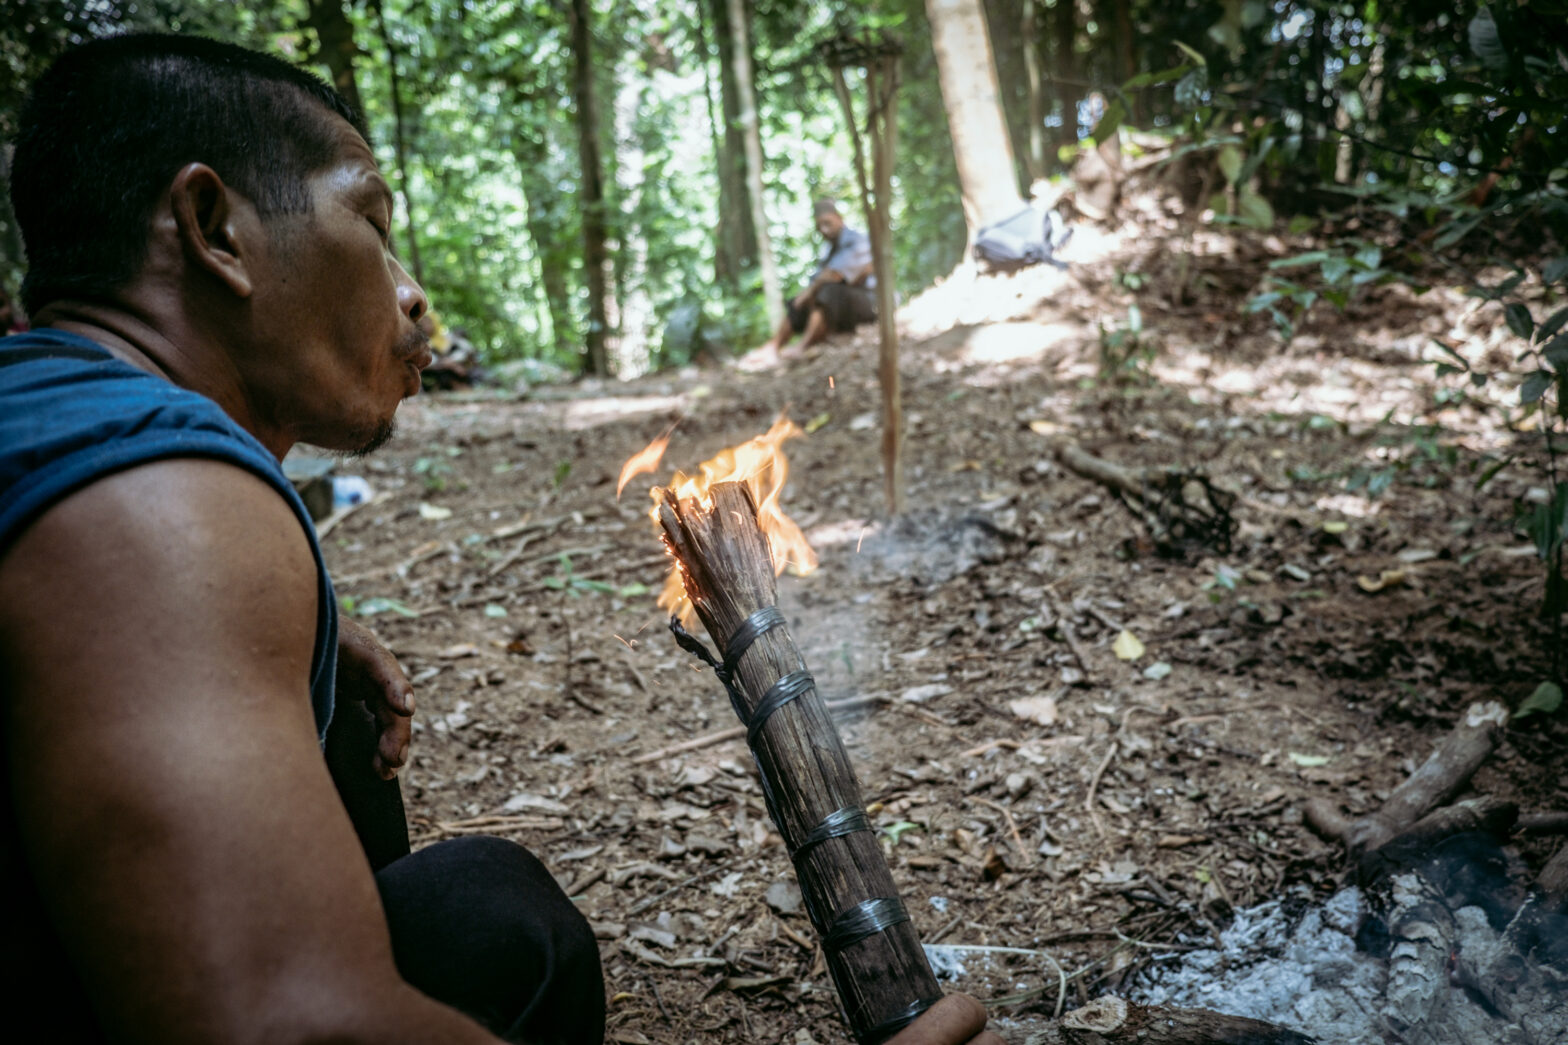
(851, 252)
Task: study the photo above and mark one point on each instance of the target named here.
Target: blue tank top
(71, 413)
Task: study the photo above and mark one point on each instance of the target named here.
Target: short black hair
(105, 130)
(824, 205)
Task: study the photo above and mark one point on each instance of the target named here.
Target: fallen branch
(736, 732)
(1179, 507)
(1441, 777)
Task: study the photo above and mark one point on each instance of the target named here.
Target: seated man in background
(200, 833)
(840, 296)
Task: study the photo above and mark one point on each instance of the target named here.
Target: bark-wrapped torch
(872, 949)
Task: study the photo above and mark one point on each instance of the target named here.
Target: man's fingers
(392, 741)
(368, 671)
(955, 1020)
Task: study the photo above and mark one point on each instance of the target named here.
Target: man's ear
(208, 217)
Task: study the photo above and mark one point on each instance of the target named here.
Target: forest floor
(1129, 803)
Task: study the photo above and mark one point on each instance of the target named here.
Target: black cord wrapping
(751, 629)
(895, 1023)
(837, 824)
(693, 645)
(780, 693)
(866, 918)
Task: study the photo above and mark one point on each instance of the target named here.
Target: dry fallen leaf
(433, 512)
(1386, 579)
(1035, 709)
(1127, 646)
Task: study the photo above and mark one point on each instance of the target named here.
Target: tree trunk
(752, 133)
(1126, 58)
(335, 47)
(400, 143)
(726, 254)
(533, 157)
(974, 112)
(1010, 52)
(737, 226)
(1068, 92)
(591, 193)
(1029, 30)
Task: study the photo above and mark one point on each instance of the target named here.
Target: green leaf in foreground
(1546, 699)
(1519, 321)
(371, 607)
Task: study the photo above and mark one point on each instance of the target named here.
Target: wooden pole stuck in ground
(878, 54)
(872, 949)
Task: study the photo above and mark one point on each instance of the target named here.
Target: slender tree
(335, 46)
(1064, 29)
(752, 135)
(591, 193)
(974, 111)
(399, 140)
(737, 227)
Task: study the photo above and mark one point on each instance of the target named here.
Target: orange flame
(760, 464)
(645, 460)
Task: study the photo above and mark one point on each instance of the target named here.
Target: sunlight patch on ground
(966, 296)
(1015, 342)
(845, 531)
(589, 413)
(1353, 505)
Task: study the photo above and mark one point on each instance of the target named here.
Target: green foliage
(568, 580)
(1547, 698)
(1125, 353)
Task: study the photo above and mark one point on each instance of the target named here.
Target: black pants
(843, 306)
(476, 922)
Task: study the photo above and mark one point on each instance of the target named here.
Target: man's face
(335, 313)
(829, 224)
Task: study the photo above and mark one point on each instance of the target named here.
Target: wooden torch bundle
(872, 949)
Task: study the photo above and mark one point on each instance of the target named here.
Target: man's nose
(411, 299)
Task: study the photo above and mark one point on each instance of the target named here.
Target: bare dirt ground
(1131, 801)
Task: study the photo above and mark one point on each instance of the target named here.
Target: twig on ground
(511, 556)
(1012, 829)
(490, 825)
(1105, 618)
(1094, 787)
(653, 986)
(1065, 628)
(1542, 823)
(989, 745)
(735, 732)
(794, 937)
(643, 904)
(642, 954)
(642, 683)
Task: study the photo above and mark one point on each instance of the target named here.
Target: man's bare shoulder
(183, 540)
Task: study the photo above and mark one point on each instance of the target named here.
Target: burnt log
(872, 950)
(1439, 779)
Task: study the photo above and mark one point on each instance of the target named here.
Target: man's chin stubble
(375, 439)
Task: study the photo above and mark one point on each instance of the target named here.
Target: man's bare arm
(156, 631)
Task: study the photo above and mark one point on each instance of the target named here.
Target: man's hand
(369, 674)
(955, 1020)
(831, 276)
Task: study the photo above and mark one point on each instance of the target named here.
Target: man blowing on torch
(203, 838)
